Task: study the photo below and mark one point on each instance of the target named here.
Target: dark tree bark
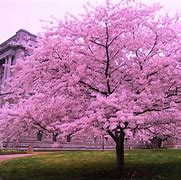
(120, 150)
(118, 137)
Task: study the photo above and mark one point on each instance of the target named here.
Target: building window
(126, 140)
(106, 139)
(95, 140)
(2, 62)
(39, 135)
(13, 61)
(69, 138)
(55, 137)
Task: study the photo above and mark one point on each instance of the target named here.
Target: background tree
(114, 69)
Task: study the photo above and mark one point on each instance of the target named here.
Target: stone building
(16, 48)
(11, 50)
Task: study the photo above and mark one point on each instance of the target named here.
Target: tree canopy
(115, 69)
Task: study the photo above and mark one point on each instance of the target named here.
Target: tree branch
(112, 135)
(149, 110)
(93, 88)
(97, 43)
(155, 43)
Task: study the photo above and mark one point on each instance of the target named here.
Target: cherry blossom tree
(114, 69)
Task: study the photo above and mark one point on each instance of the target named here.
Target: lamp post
(30, 148)
(103, 142)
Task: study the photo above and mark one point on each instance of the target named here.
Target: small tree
(115, 69)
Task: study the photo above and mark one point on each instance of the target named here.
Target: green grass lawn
(75, 165)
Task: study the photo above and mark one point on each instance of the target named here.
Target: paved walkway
(13, 156)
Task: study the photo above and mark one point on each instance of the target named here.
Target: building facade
(16, 48)
(11, 50)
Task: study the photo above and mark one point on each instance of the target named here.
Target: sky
(30, 14)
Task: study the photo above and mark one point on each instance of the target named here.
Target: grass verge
(80, 165)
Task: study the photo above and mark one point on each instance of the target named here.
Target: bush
(11, 151)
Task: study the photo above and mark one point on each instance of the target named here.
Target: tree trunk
(118, 137)
(120, 151)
